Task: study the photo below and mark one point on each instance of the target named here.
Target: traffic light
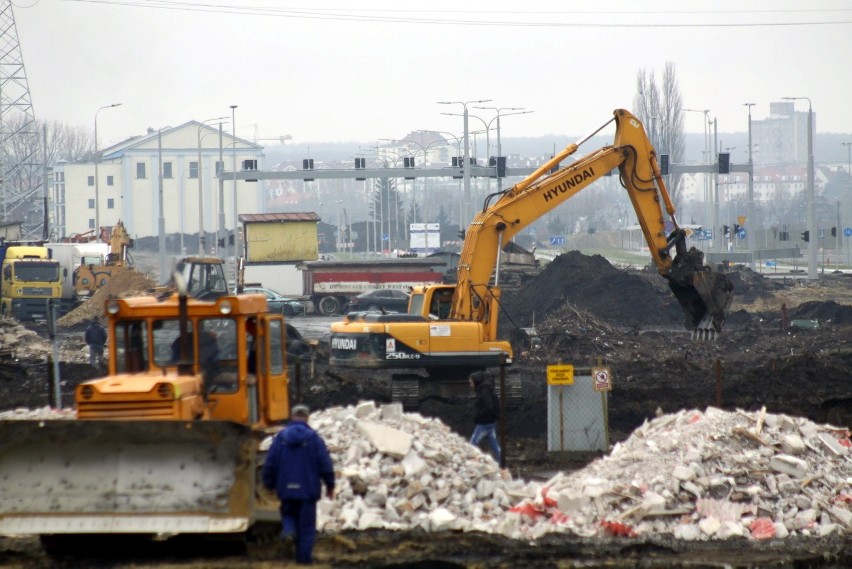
(664, 164)
(806, 236)
(500, 163)
(725, 230)
(724, 163)
(736, 228)
(834, 231)
(461, 234)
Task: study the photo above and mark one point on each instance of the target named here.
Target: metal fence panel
(577, 417)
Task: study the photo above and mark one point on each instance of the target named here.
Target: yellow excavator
(89, 278)
(451, 330)
(169, 442)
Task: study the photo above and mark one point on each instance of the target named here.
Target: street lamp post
(848, 146)
(707, 208)
(236, 217)
(520, 111)
(98, 159)
(812, 242)
(200, 188)
(751, 221)
(465, 211)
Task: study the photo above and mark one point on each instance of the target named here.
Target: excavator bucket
(125, 477)
(703, 293)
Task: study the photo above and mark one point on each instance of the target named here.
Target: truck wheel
(329, 306)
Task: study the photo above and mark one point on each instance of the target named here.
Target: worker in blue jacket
(297, 461)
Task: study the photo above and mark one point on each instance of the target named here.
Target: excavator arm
(702, 294)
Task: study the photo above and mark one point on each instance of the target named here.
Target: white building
(128, 184)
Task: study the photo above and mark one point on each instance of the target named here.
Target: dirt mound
(592, 283)
(828, 311)
(128, 282)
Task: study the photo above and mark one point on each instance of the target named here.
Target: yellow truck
(31, 280)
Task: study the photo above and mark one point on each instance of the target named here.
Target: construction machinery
(90, 277)
(451, 330)
(31, 280)
(169, 441)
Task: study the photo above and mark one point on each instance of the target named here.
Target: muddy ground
(584, 312)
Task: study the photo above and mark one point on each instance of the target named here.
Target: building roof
(279, 217)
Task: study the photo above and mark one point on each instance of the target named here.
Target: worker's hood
(297, 433)
(482, 381)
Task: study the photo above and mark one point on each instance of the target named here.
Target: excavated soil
(586, 312)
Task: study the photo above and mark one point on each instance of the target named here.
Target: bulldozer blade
(703, 294)
(132, 477)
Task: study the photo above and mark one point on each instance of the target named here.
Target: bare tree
(661, 110)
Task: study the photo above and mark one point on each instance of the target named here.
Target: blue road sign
(557, 240)
(741, 233)
(847, 232)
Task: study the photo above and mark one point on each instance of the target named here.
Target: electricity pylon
(22, 187)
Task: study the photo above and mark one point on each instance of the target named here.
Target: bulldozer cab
(224, 360)
(205, 277)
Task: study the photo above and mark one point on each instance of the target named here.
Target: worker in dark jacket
(297, 461)
(486, 411)
(96, 338)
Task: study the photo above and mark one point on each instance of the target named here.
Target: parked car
(278, 303)
(387, 299)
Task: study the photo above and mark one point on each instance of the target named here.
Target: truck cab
(30, 280)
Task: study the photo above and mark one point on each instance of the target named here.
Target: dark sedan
(383, 299)
(278, 303)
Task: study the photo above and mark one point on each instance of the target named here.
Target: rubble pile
(402, 471)
(39, 414)
(705, 476)
(691, 475)
(127, 282)
(16, 338)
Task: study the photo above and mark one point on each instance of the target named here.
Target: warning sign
(560, 374)
(603, 378)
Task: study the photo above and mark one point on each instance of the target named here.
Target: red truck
(328, 285)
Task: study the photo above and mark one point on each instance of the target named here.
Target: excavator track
(405, 389)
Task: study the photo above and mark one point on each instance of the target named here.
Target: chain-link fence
(577, 416)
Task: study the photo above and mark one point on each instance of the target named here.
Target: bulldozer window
(222, 375)
(276, 348)
(131, 346)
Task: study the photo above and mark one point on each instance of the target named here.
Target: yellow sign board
(560, 374)
(741, 219)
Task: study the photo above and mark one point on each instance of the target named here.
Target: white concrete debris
(46, 413)
(402, 471)
(693, 475)
(710, 475)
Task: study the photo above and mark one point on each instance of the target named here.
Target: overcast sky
(362, 71)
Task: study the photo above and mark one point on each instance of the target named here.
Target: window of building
(91, 180)
(220, 167)
(193, 169)
(91, 223)
(91, 204)
(110, 181)
(110, 203)
(140, 170)
(167, 170)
